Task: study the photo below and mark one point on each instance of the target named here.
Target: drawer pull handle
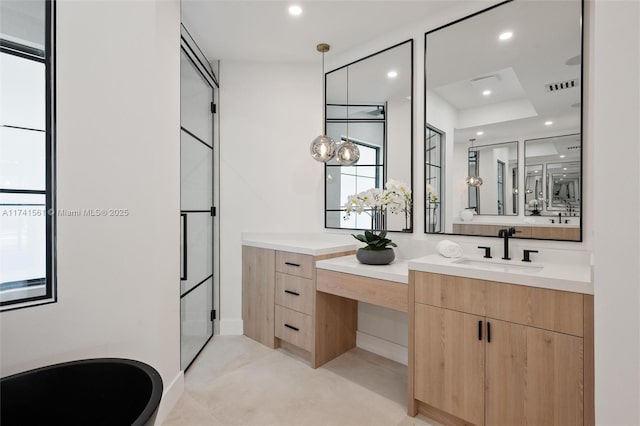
(292, 292)
(488, 332)
(479, 330)
(297, 265)
(292, 327)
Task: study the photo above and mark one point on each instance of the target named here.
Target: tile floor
(236, 381)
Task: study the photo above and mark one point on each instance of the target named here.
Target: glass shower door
(196, 213)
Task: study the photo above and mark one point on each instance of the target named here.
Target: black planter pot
(375, 257)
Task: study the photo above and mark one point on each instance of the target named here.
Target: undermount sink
(493, 265)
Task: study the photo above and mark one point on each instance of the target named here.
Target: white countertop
(311, 244)
(397, 271)
(557, 276)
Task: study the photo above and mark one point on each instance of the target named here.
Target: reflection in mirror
(433, 159)
(502, 91)
(533, 195)
(497, 166)
(378, 120)
(555, 182)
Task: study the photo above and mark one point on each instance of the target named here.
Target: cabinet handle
(297, 265)
(488, 332)
(479, 330)
(292, 327)
(292, 292)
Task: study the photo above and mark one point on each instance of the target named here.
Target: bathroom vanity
(515, 347)
(540, 232)
(491, 342)
(279, 291)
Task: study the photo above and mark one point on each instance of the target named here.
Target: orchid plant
(432, 197)
(395, 198)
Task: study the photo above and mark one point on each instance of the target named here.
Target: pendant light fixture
(323, 148)
(348, 152)
(473, 180)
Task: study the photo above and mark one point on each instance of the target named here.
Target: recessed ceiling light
(486, 92)
(505, 35)
(392, 74)
(564, 175)
(480, 133)
(562, 156)
(536, 171)
(564, 168)
(548, 123)
(295, 10)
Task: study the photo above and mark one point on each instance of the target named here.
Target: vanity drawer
(451, 292)
(294, 293)
(554, 310)
(294, 327)
(297, 264)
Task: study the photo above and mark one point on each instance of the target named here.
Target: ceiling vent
(486, 82)
(554, 87)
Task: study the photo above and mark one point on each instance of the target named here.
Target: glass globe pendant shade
(474, 181)
(347, 154)
(323, 148)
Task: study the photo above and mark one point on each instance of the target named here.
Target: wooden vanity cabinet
(295, 295)
(258, 293)
(483, 352)
(551, 232)
(279, 298)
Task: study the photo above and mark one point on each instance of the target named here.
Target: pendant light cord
(324, 97)
(347, 141)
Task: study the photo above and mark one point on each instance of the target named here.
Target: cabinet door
(534, 376)
(258, 294)
(449, 362)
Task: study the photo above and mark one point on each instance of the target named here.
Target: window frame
(48, 58)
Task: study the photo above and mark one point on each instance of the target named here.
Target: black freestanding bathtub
(104, 391)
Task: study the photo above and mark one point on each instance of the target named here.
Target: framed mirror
(497, 166)
(369, 103)
(499, 82)
(554, 189)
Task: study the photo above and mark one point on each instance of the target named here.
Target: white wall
(269, 115)
(615, 96)
(118, 147)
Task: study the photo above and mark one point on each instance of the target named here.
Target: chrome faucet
(505, 234)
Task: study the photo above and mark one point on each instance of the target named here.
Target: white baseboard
(231, 327)
(385, 348)
(170, 397)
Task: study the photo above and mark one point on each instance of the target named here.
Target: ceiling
(263, 31)
(467, 58)
(368, 80)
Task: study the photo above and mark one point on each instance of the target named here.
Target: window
(27, 219)
(359, 177)
(433, 173)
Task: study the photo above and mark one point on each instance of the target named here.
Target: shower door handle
(183, 216)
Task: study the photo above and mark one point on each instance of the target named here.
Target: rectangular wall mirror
(503, 114)
(497, 165)
(377, 117)
(553, 181)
